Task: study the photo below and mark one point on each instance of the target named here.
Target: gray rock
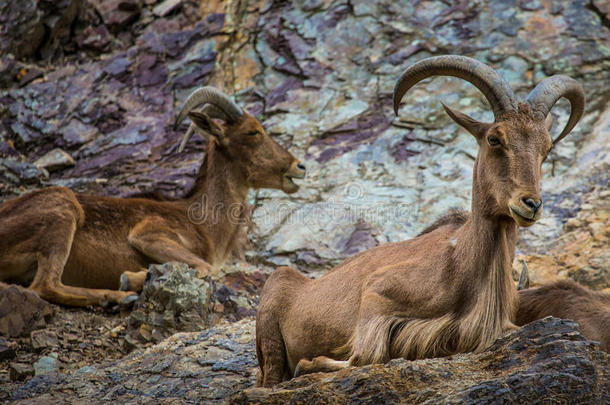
(166, 7)
(46, 365)
(173, 299)
(43, 339)
(22, 311)
(179, 369)
(545, 360)
(20, 371)
(55, 159)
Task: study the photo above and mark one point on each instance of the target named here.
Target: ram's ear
(206, 124)
(476, 128)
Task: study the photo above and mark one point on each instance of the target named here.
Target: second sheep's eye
(252, 133)
(493, 141)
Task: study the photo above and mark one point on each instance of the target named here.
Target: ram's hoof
(130, 299)
(124, 282)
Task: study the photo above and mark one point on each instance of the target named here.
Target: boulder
(547, 360)
(22, 311)
(173, 299)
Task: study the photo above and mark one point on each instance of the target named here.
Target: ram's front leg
(320, 364)
(159, 241)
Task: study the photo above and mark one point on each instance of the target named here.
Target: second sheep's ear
(204, 123)
(548, 122)
(476, 128)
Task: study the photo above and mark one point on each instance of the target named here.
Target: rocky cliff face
(103, 81)
(89, 90)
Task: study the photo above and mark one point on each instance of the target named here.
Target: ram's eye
(493, 141)
(252, 133)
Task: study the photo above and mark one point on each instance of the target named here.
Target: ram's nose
(297, 170)
(533, 203)
(526, 210)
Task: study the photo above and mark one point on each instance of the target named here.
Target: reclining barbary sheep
(561, 299)
(75, 249)
(444, 292)
(569, 300)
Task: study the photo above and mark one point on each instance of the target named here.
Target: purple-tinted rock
(7, 149)
(118, 65)
(77, 133)
(364, 128)
(401, 151)
(151, 43)
(117, 14)
(26, 75)
(362, 238)
(309, 258)
(278, 94)
(21, 27)
(26, 172)
(96, 38)
(193, 75)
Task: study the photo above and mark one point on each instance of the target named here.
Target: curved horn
(187, 135)
(545, 95)
(213, 96)
(214, 112)
(497, 92)
(209, 109)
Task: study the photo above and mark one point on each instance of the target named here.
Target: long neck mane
(484, 252)
(218, 204)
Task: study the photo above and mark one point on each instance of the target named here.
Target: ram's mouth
(520, 218)
(288, 184)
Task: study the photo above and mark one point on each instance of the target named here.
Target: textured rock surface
(547, 359)
(199, 367)
(581, 252)
(22, 311)
(172, 300)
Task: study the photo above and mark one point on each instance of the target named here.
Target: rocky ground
(40, 339)
(545, 359)
(89, 90)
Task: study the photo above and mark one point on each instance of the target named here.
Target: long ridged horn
(212, 96)
(213, 112)
(497, 92)
(545, 95)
